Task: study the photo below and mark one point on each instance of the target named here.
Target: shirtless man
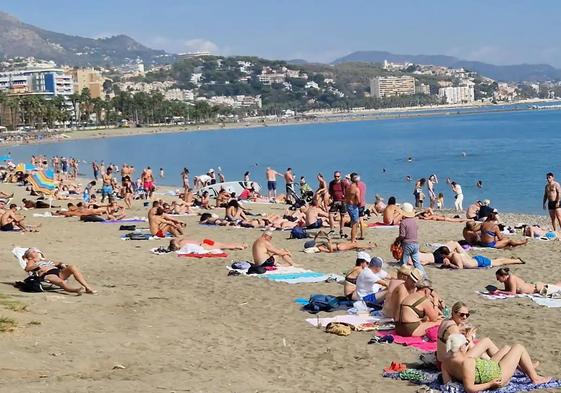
(160, 225)
(11, 220)
(337, 188)
(108, 185)
(314, 216)
(148, 181)
(153, 210)
(271, 175)
(264, 253)
(352, 202)
(289, 180)
(115, 212)
(207, 244)
(552, 195)
(392, 212)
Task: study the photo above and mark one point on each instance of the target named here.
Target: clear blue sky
(496, 31)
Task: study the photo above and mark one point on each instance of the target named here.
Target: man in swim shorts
(264, 252)
(352, 202)
(462, 260)
(271, 175)
(552, 196)
(108, 184)
(337, 190)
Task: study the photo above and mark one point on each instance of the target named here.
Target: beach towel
(381, 225)
(18, 253)
(354, 320)
(196, 251)
(538, 299)
(417, 342)
(125, 220)
(146, 236)
(46, 215)
(294, 275)
(518, 383)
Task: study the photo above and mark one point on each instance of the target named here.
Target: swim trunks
(160, 234)
(371, 298)
(337, 207)
(315, 225)
(483, 261)
(7, 227)
(149, 186)
(269, 261)
(353, 213)
(271, 185)
(106, 190)
(552, 205)
(489, 245)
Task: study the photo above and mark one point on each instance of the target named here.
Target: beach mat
(538, 299)
(381, 225)
(125, 221)
(205, 255)
(416, 342)
(352, 319)
(294, 275)
(518, 383)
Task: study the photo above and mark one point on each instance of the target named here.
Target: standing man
(432, 194)
(362, 206)
(148, 182)
(271, 175)
(352, 202)
(95, 169)
(337, 190)
(552, 195)
(289, 180)
(108, 185)
(408, 237)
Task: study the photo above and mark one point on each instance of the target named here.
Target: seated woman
(322, 243)
(492, 237)
(535, 232)
(462, 260)
(457, 324)
(54, 272)
(362, 260)
(418, 312)
(392, 213)
(429, 215)
(480, 374)
(234, 212)
(514, 285)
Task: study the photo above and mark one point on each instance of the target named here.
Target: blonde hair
(455, 342)
(457, 306)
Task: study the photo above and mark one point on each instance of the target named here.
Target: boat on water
(230, 187)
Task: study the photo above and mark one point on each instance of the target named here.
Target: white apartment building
(179, 95)
(422, 89)
(47, 82)
(457, 95)
(385, 86)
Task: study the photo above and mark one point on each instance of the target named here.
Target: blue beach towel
(519, 382)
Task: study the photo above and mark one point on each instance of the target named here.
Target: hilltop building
(386, 86)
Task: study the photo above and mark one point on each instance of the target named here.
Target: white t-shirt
(366, 282)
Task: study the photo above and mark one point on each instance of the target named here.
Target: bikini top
(420, 313)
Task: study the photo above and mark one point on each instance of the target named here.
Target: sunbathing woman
(462, 260)
(535, 232)
(429, 215)
(514, 285)
(457, 324)
(392, 213)
(207, 244)
(418, 312)
(480, 374)
(436, 256)
(492, 237)
(322, 243)
(362, 260)
(54, 272)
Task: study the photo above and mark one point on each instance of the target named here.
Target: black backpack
(30, 284)
(319, 303)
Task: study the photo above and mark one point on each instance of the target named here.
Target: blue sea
(510, 152)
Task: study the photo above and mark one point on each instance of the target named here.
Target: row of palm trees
(141, 108)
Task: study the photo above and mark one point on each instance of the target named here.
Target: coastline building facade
(386, 86)
(88, 78)
(47, 82)
(457, 95)
(422, 88)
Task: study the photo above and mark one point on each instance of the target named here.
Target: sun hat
(364, 256)
(416, 275)
(408, 210)
(486, 202)
(376, 262)
(404, 269)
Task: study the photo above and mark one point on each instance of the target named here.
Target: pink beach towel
(417, 342)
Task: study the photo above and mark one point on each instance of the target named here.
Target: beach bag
(30, 284)
(339, 328)
(138, 236)
(298, 233)
(397, 251)
(241, 265)
(319, 303)
(256, 269)
(127, 228)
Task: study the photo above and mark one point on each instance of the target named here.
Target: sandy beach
(170, 324)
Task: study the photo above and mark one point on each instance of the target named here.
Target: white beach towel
(538, 299)
(18, 253)
(354, 320)
(196, 249)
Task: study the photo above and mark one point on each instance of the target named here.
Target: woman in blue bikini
(492, 237)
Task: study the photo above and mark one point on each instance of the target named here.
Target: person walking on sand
(459, 197)
(271, 175)
(552, 196)
(408, 237)
(352, 202)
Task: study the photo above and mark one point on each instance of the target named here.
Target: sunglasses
(464, 314)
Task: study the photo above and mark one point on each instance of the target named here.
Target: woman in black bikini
(418, 312)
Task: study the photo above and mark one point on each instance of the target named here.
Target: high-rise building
(422, 88)
(385, 86)
(88, 78)
(47, 82)
(457, 95)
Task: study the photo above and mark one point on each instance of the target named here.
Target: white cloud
(200, 45)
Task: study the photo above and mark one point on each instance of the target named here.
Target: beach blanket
(196, 251)
(355, 320)
(518, 383)
(538, 299)
(46, 215)
(18, 253)
(294, 275)
(417, 342)
(147, 236)
(125, 220)
(381, 225)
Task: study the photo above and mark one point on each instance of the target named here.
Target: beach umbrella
(25, 168)
(43, 181)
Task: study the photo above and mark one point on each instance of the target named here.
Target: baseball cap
(362, 255)
(376, 262)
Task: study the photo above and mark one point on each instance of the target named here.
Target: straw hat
(416, 275)
(408, 210)
(404, 269)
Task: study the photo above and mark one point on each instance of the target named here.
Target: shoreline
(321, 118)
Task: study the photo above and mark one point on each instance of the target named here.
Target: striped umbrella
(43, 181)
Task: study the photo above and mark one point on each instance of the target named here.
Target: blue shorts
(371, 298)
(106, 191)
(315, 225)
(353, 213)
(489, 245)
(271, 185)
(482, 261)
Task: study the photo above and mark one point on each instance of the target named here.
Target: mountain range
(514, 73)
(18, 39)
